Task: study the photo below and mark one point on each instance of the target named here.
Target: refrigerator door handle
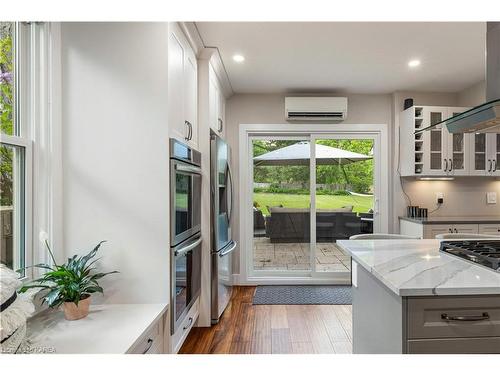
(230, 180)
(228, 249)
(184, 250)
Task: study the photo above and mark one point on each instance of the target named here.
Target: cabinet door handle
(489, 165)
(445, 165)
(221, 124)
(150, 344)
(190, 130)
(450, 230)
(186, 123)
(456, 231)
(190, 321)
(469, 318)
(494, 165)
(451, 165)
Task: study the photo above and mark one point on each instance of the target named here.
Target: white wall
(465, 196)
(472, 96)
(115, 153)
(270, 109)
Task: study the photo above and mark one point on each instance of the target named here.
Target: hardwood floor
(264, 329)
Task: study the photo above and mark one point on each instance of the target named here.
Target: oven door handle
(184, 250)
(187, 168)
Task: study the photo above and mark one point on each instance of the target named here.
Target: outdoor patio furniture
(293, 224)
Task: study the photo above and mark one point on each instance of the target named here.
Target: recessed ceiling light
(239, 58)
(413, 63)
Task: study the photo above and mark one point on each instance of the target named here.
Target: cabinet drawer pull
(150, 344)
(189, 323)
(470, 318)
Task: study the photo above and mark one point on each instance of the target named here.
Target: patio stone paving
(295, 256)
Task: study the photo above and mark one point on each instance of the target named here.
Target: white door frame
(316, 131)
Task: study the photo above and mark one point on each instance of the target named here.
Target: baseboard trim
(282, 280)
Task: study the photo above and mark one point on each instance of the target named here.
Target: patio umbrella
(300, 152)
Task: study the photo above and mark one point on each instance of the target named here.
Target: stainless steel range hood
(484, 118)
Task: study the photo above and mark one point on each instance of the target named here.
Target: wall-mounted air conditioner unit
(308, 108)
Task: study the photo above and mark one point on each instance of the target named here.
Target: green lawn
(361, 204)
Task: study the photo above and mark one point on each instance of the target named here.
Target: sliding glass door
(309, 191)
(343, 198)
(281, 206)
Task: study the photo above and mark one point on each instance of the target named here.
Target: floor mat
(302, 295)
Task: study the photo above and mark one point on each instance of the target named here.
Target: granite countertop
(108, 329)
(453, 219)
(418, 268)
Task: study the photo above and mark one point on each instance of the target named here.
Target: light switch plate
(491, 197)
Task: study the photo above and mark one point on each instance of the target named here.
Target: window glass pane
(435, 140)
(7, 78)
(12, 189)
(281, 206)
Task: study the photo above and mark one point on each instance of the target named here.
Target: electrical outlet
(440, 198)
(491, 197)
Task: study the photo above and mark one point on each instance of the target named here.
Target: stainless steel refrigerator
(222, 245)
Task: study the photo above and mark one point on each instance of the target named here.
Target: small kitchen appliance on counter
(483, 252)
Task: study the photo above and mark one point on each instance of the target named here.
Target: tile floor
(295, 256)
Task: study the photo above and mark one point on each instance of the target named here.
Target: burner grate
(483, 252)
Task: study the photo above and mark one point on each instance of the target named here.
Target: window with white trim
(15, 148)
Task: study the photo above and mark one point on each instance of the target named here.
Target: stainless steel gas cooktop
(483, 252)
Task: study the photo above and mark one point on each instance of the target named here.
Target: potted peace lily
(70, 284)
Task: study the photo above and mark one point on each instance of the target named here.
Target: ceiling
(353, 57)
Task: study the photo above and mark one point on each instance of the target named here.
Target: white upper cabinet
(182, 88)
(434, 152)
(217, 104)
(485, 155)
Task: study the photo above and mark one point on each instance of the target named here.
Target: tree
(357, 176)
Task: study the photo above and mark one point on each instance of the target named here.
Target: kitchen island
(408, 297)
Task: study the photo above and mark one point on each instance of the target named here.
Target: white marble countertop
(418, 268)
(108, 329)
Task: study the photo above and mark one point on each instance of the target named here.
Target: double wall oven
(185, 229)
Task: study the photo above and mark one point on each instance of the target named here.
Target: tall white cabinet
(434, 152)
(217, 104)
(182, 88)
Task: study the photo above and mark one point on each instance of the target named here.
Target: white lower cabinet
(491, 229)
(179, 336)
(151, 342)
(431, 231)
(423, 230)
